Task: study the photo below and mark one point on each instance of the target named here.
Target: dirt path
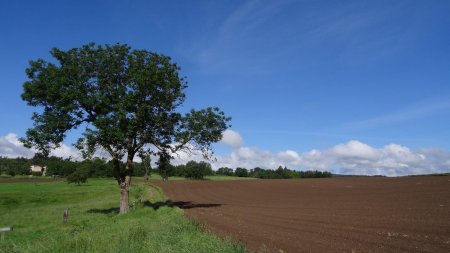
(323, 215)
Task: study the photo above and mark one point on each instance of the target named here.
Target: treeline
(279, 173)
(15, 166)
(56, 166)
(198, 170)
(190, 170)
(97, 167)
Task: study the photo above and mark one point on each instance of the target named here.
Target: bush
(36, 173)
(80, 176)
(138, 193)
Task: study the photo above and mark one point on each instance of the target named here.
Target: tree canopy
(126, 100)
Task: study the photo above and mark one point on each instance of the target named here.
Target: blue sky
(294, 75)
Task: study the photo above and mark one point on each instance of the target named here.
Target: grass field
(35, 211)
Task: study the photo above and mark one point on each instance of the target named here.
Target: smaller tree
(241, 172)
(165, 169)
(80, 176)
(146, 164)
(197, 170)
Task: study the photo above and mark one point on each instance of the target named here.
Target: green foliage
(180, 170)
(146, 165)
(225, 171)
(58, 166)
(64, 167)
(197, 170)
(281, 173)
(241, 172)
(36, 173)
(79, 176)
(15, 166)
(138, 193)
(127, 98)
(165, 169)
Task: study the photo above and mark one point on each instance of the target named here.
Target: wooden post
(5, 230)
(66, 215)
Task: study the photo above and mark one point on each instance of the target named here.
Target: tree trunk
(125, 186)
(116, 170)
(124, 193)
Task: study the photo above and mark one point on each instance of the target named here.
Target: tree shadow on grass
(157, 205)
(179, 204)
(112, 210)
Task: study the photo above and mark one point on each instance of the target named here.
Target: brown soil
(410, 214)
(29, 180)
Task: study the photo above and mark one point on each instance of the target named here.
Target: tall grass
(35, 211)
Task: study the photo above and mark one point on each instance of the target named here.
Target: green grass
(35, 212)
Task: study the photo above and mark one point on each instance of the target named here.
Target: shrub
(36, 173)
(79, 177)
(138, 192)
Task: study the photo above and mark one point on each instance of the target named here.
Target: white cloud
(353, 157)
(11, 147)
(65, 151)
(354, 149)
(232, 138)
(289, 156)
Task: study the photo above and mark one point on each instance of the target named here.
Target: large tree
(126, 101)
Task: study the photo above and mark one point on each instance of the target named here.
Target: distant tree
(165, 169)
(315, 174)
(225, 171)
(11, 172)
(146, 164)
(126, 100)
(15, 166)
(180, 170)
(241, 172)
(197, 170)
(80, 176)
(99, 168)
(61, 167)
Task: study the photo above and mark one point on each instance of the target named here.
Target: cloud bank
(352, 157)
(11, 147)
(232, 138)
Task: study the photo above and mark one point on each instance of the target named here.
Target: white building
(37, 168)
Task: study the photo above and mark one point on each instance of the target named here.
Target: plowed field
(410, 214)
